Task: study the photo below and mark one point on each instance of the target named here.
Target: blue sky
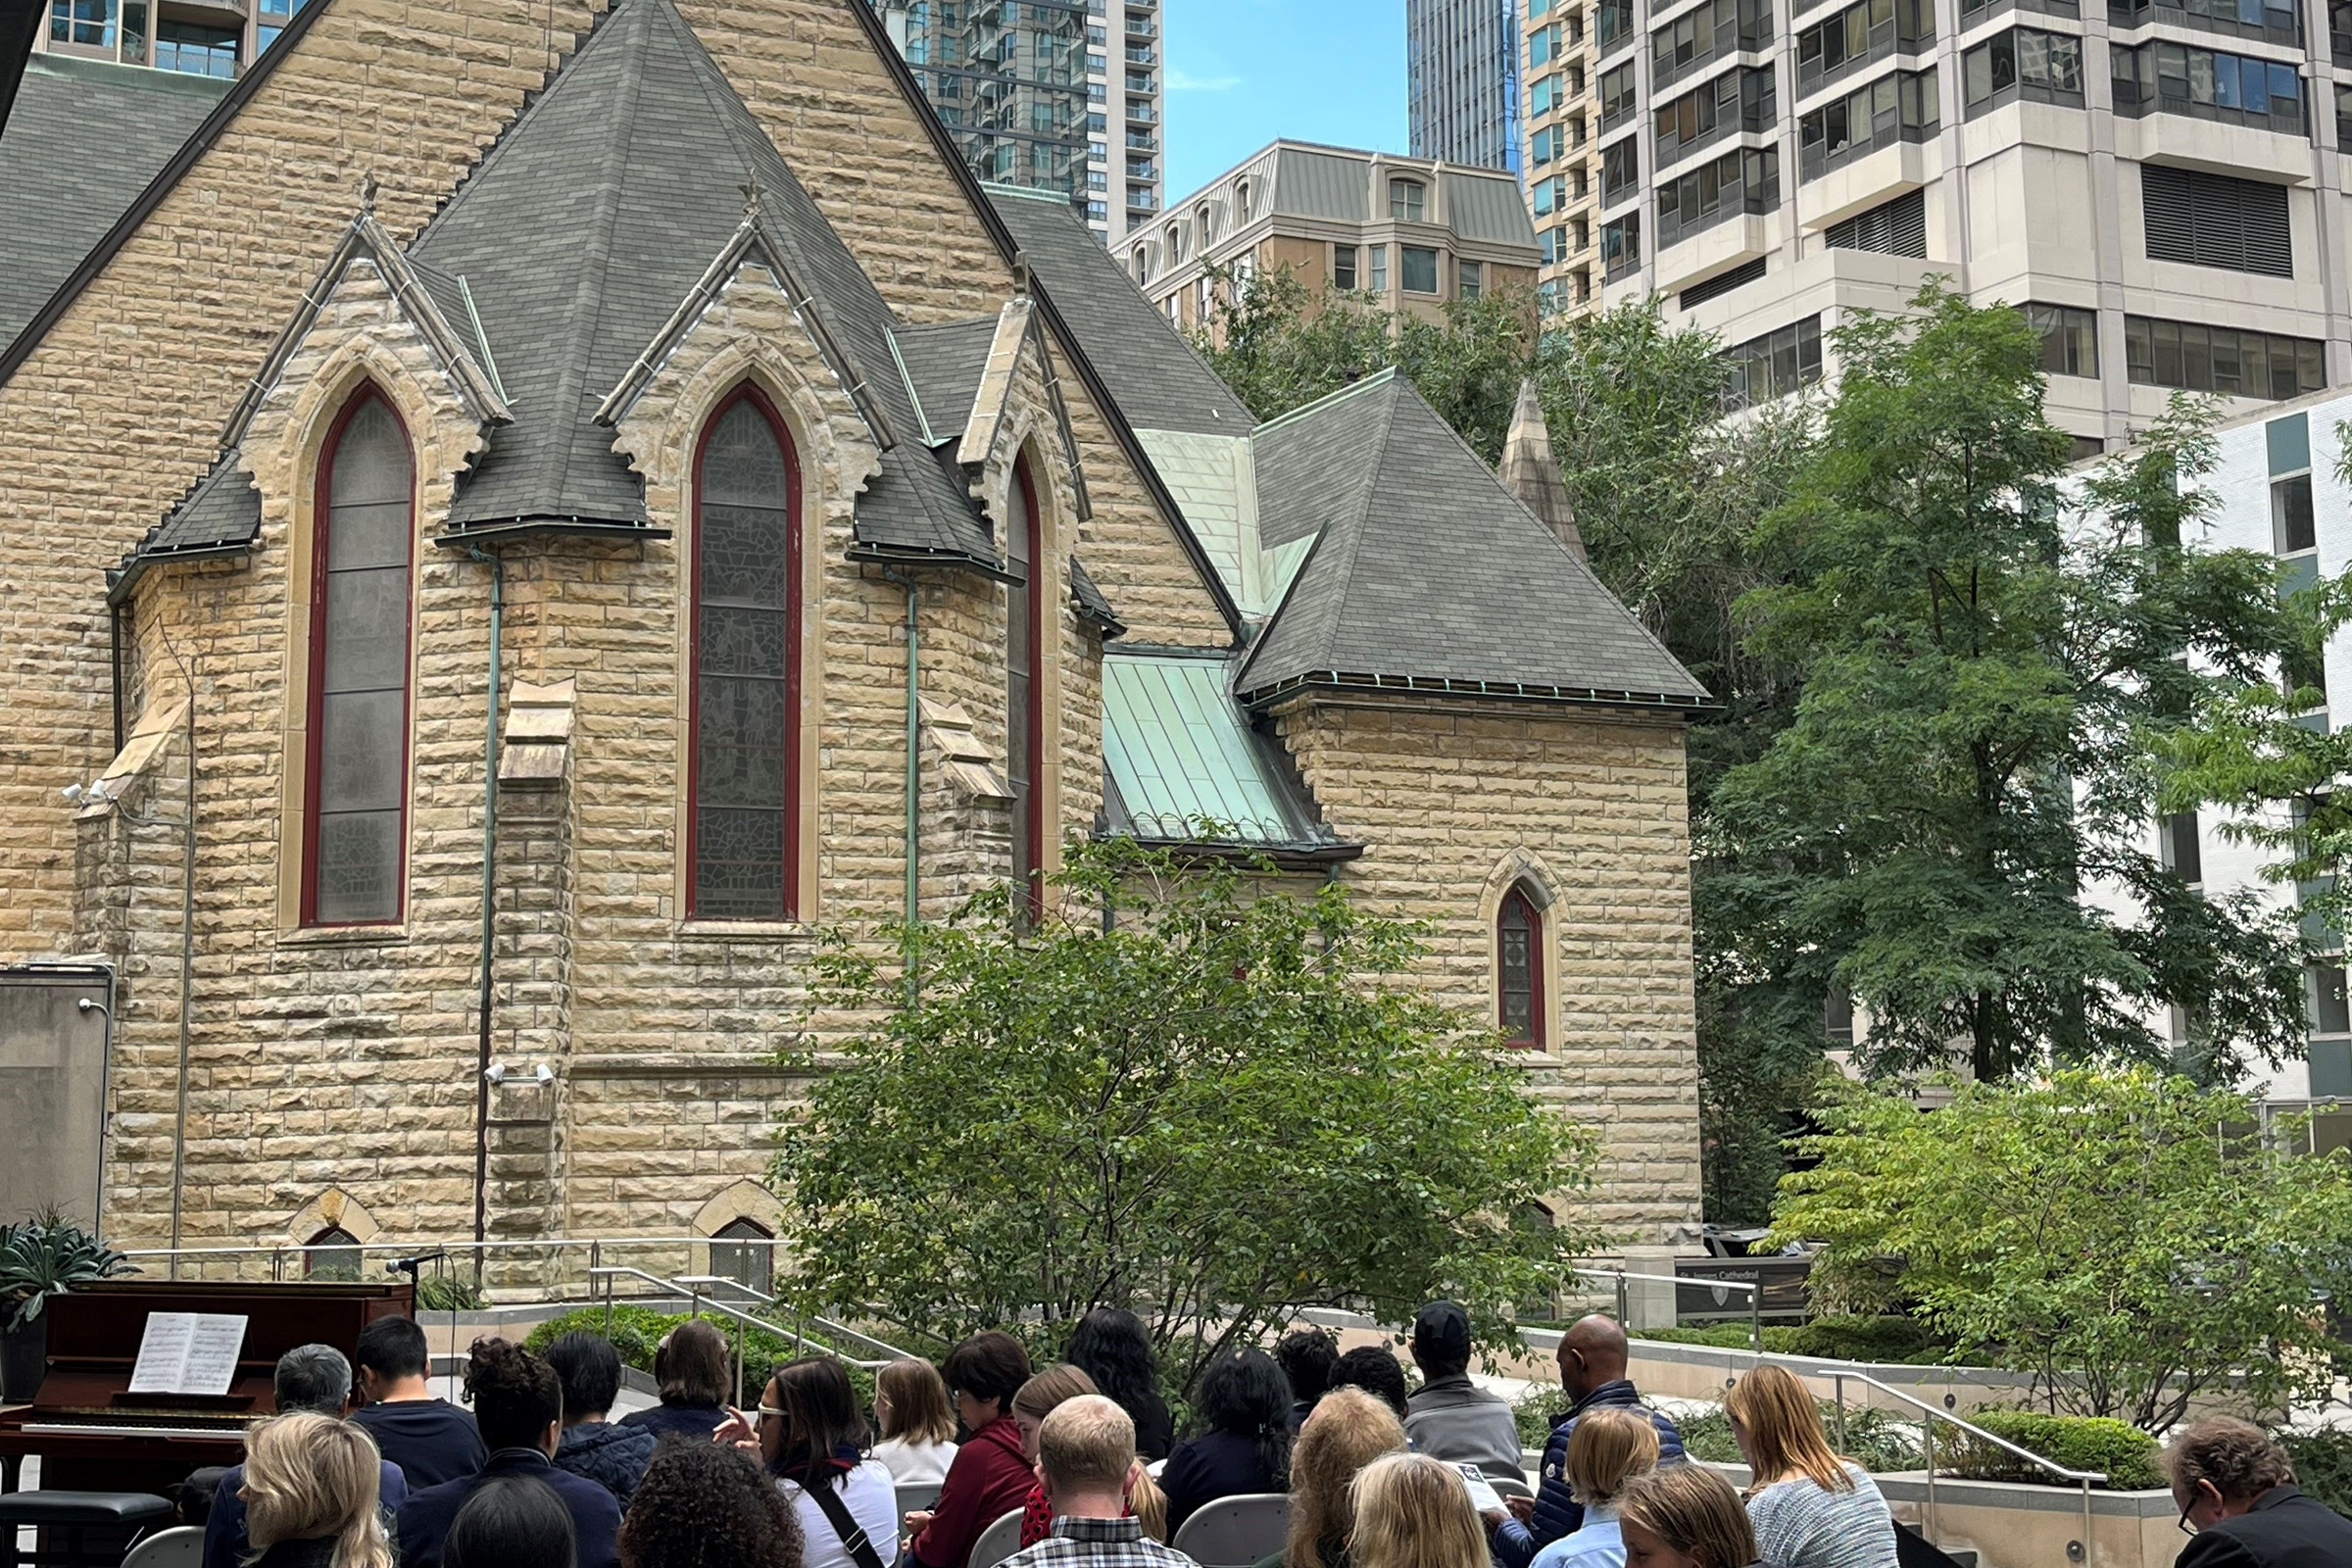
(1240, 72)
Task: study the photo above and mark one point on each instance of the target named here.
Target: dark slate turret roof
(83, 141)
(588, 224)
(1151, 369)
(1427, 573)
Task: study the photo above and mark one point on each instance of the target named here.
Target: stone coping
(1911, 1486)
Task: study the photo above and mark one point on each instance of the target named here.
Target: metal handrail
(741, 1320)
(1755, 1294)
(837, 1331)
(2083, 1478)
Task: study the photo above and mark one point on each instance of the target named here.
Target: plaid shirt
(1097, 1544)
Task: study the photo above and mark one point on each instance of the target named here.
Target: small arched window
(1208, 224)
(742, 845)
(333, 1255)
(1519, 969)
(1143, 267)
(1241, 202)
(744, 1251)
(356, 788)
(1024, 711)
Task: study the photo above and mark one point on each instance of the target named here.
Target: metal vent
(2213, 220)
(1721, 284)
(1898, 228)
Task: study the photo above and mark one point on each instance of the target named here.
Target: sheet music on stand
(188, 1353)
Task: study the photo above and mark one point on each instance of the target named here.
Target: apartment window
(1544, 94)
(89, 24)
(2330, 1001)
(1612, 24)
(354, 820)
(1720, 284)
(1472, 281)
(197, 51)
(2197, 357)
(1736, 101)
(1546, 143)
(1380, 268)
(2343, 116)
(1551, 296)
(1742, 180)
(2069, 338)
(1548, 195)
(1772, 366)
(1543, 45)
(1143, 266)
(1716, 28)
(1838, 1019)
(1206, 219)
(1026, 645)
(1898, 228)
(1621, 246)
(1407, 198)
(1860, 33)
(2294, 527)
(1343, 266)
(2213, 220)
(1203, 298)
(1418, 269)
(2181, 850)
(747, 640)
(2024, 63)
(1619, 170)
(2274, 21)
(1896, 108)
(1616, 96)
(2207, 85)
(1519, 970)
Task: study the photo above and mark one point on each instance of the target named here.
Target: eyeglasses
(2187, 1528)
(767, 1410)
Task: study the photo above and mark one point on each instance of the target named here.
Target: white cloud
(1178, 81)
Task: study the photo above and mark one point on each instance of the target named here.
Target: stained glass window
(359, 721)
(746, 668)
(1519, 970)
(1022, 720)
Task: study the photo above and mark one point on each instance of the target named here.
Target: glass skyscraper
(1463, 80)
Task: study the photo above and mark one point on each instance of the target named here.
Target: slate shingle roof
(1428, 572)
(945, 362)
(220, 516)
(1151, 369)
(84, 139)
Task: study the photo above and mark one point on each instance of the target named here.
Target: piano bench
(115, 1518)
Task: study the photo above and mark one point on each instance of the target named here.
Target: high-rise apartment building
(1463, 80)
(2157, 182)
(1059, 95)
(1556, 49)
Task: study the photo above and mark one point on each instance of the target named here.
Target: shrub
(1538, 1412)
(448, 1293)
(1720, 1335)
(1880, 1442)
(1707, 1435)
(2125, 1454)
(635, 1332)
(1901, 1339)
(2323, 1462)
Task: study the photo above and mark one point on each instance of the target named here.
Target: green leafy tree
(2123, 1237)
(1954, 826)
(1176, 1092)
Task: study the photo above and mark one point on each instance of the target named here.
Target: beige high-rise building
(2158, 183)
(1413, 231)
(1555, 65)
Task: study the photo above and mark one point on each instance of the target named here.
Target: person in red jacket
(990, 1478)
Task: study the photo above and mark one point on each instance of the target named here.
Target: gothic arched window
(1024, 710)
(743, 860)
(1519, 970)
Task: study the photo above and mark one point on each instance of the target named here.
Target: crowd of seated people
(532, 1472)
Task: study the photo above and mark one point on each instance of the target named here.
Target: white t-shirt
(915, 1464)
(874, 1499)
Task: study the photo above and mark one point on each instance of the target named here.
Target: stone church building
(630, 438)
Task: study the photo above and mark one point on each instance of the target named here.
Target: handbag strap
(853, 1535)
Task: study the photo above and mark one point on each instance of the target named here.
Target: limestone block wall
(1458, 801)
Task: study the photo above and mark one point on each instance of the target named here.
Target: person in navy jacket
(518, 1404)
(1593, 1355)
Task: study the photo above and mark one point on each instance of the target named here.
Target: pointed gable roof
(1427, 573)
(589, 225)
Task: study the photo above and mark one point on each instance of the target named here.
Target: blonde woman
(1346, 1430)
(1685, 1516)
(917, 1423)
(1610, 1446)
(1412, 1511)
(1811, 1509)
(310, 1492)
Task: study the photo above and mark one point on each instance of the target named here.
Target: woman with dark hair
(1244, 1436)
(813, 1442)
(1375, 1369)
(511, 1522)
(989, 1478)
(1110, 1345)
(691, 1366)
(705, 1505)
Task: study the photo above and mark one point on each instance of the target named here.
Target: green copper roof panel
(1178, 752)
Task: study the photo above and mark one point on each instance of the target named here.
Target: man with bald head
(1592, 1357)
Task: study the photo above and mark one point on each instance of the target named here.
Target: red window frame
(314, 703)
(748, 393)
(1024, 693)
(1516, 903)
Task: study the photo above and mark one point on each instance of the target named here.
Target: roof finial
(367, 190)
(1532, 472)
(1020, 274)
(751, 197)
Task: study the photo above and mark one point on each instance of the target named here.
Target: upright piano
(93, 1434)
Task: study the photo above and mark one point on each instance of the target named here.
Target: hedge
(1901, 1341)
(1880, 1442)
(635, 1331)
(2323, 1462)
(2125, 1454)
